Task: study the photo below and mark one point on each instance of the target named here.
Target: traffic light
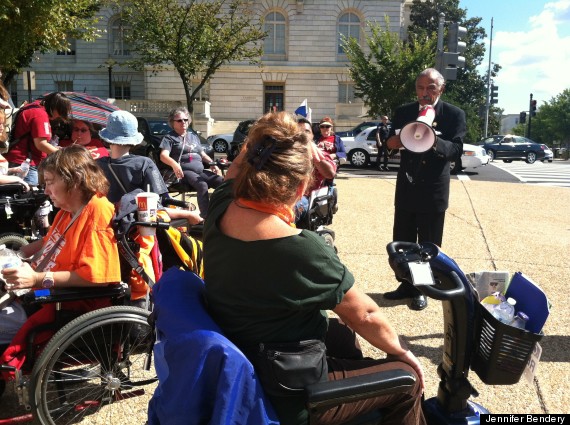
(533, 108)
(453, 59)
(494, 94)
(522, 118)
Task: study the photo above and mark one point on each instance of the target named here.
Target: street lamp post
(110, 63)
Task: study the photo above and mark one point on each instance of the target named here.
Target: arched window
(118, 31)
(274, 45)
(348, 26)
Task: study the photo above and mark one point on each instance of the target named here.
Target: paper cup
(147, 204)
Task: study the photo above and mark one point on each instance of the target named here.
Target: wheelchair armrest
(174, 203)
(324, 395)
(11, 188)
(54, 295)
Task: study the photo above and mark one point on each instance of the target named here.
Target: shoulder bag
(285, 369)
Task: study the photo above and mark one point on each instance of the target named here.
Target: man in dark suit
(422, 187)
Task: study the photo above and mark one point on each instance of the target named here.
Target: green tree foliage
(551, 125)
(41, 26)
(197, 38)
(385, 74)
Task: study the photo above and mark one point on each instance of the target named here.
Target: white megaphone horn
(419, 136)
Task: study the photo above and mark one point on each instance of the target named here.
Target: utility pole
(487, 104)
(530, 115)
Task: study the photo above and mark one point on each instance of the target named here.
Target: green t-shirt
(274, 290)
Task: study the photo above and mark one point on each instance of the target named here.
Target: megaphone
(419, 136)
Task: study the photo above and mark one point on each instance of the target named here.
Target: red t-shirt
(95, 147)
(327, 144)
(32, 122)
(318, 179)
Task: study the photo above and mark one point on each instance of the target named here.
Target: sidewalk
(489, 226)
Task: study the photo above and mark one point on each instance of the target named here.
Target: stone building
(302, 60)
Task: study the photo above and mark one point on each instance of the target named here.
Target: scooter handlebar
(444, 294)
(401, 254)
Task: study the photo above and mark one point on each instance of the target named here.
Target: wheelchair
(24, 216)
(97, 364)
(323, 205)
(192, 356)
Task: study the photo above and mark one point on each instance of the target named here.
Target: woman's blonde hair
(277, 161)
(77, 168)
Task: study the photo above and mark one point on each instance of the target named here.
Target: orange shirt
(89, 247)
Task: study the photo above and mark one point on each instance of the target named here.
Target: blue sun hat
(122, 129)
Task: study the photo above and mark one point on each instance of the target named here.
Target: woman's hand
(409, 358)
(178, 170)
(215, 169)
(21, 277)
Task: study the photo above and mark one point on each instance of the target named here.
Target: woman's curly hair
(277, 161)
(77, 168)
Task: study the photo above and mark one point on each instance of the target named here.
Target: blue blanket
(203, 377)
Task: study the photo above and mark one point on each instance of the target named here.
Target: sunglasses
(182, 120)
(325, 126)
(81, 130)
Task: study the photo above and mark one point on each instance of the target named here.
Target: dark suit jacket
(423, 178)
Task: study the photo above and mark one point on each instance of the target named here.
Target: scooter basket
(502, 351)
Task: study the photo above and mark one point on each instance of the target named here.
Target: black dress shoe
(418, 303)
(399, 294)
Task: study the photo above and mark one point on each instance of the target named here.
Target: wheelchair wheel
(13, 240)
(98, 365)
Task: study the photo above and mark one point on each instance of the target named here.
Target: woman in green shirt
(268, 282)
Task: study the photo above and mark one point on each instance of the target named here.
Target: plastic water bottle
(505, 312)
(8, 258)
(520, 320)
(492, 301)
(25, 167)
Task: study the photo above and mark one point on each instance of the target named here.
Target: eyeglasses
(325, 126)
(81, 130)
(182, 120)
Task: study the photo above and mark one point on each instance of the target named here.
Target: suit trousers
(417, 227)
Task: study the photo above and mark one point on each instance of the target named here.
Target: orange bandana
(284, 212)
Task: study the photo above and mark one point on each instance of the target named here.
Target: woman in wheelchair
(268, 284)
(127, 172)
(79, 250)
(324, 170)
(182, 151)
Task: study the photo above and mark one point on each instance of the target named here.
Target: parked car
(510, 148)
(220, 142)
(238, 138)
(472, 157)
(361, 149)
(153, 130)
(357, 130)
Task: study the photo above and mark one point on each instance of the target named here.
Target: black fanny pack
(285, 369)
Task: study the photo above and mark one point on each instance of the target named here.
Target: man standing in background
(422, 186)
(382, 134)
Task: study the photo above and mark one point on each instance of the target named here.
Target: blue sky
(531, 41)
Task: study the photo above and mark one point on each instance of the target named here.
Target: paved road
(556, 173)
(545, 174)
